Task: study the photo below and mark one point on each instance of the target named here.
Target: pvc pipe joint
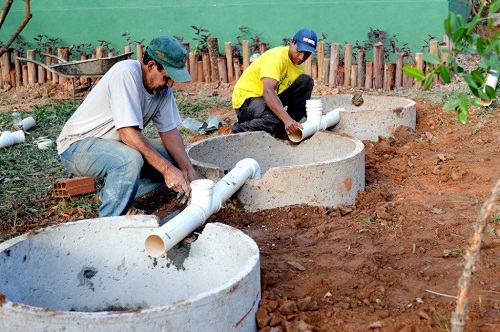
(491, 80)
(314, 124)
(206, 199)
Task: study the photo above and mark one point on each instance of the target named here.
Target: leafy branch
(461, 33)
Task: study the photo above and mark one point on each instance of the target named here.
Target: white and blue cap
(306, 40)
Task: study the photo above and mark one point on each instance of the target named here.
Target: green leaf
(459, 35)
(451, 105)
(478, 77)
(431, 58)
(414, 72)
(445, 74)
(428, 81)
(476, 102)
(462, 115)
(470, 81)
(494, 7)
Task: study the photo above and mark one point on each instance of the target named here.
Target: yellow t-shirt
(274, 64)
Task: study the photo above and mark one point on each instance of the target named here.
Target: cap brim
(303, 47)
(178, 74)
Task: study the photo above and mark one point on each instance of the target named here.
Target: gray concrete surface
(94, 275)
(326, 170)
(377, 116)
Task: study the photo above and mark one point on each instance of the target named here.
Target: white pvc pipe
(491, 80)
(206, 199)
(10, 138)
(315, 124)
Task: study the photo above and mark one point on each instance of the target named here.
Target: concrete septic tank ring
(377, 116)
(94, 275)
(326, 170)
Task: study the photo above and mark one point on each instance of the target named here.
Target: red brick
(73, 187)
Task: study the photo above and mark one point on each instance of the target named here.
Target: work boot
(132, 211)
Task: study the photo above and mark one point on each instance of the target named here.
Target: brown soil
(390, 262)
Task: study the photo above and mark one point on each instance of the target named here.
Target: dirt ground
(391, 261)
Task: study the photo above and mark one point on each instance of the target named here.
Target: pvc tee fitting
(315, 121)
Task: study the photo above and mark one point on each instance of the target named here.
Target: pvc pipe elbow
(491, 80)
(168, 235)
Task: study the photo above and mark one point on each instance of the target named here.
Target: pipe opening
(154, 245)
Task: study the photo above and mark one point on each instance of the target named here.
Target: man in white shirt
(103, 138)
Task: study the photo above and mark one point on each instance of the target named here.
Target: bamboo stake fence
(213, 66)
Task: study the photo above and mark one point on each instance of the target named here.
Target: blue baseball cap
(172, 55)
(306, 40)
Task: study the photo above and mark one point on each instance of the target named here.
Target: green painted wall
(87, 21)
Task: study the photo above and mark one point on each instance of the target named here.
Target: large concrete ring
(94, 275)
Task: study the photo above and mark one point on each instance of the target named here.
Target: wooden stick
(369, 75)
(5, 65)
(419, 59)
(199, 68)
(25, 75)
(347, 64)
(17, 66)
(30, 54)
(213, 51)
(139, 49)
(389, 75)
(326, 69)
(245, 49)
(48, 61)
(229, 61)
(354, 76)
(398, 81)
(334, 64)
(361, 68)
(378, 66)
(308, 66)
(221, 63)
(433, 49)
(237, 69)
(193, 66)
(63, 53)
(42, 74)
(470, 259)
(314, 70)
(320, 52)
(205, 57)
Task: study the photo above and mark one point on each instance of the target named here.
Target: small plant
(83, 48)
(201, 39)
(255, 45)
(390, 44)
(105, 45)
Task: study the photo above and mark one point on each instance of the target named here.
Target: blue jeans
(127, 175)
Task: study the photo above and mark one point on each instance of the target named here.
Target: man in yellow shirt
(272, 92)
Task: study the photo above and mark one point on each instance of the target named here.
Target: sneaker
(132, 211)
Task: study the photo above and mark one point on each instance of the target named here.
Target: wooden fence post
(361, 68)
(398, 81)
(193, 66)
(419, 60)
(63, 53)
(30, 54)
(245, 49)
(213, 51)
(378, 66)
(347, 64)
(334, 64)
(320, 53)
(205, 57)
(5, 65)
(18, 68)
(229, 61)
(369, 75)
